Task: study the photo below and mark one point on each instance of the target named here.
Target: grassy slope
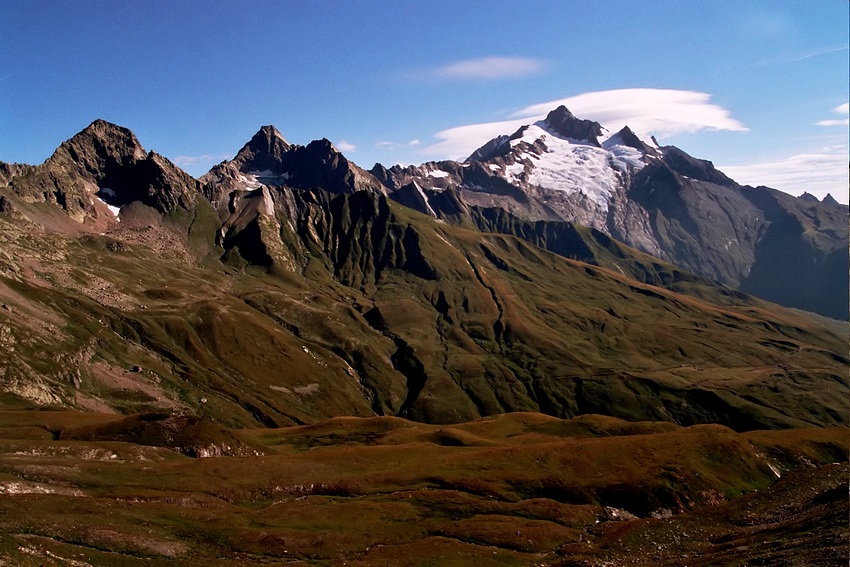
(504, 326)
(519, 489)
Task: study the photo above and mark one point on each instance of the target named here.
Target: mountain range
(662, 201)
(288, 284)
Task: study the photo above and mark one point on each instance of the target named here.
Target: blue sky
(758, 87)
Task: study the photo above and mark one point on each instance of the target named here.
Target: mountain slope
(659, 200)
(343, 303)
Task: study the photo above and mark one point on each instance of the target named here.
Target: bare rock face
(274, 200)
(108, 162)
(268, 159)
(6, 206)
(265, 151)
(561, 121)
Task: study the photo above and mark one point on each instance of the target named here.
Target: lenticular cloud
(660, 112)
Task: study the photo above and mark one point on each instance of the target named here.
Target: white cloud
(414, 142)
(819, 172)
(344, 146)
(840, 109)
(845, 122)
(490, 68)
(460, 141)
(660, 112)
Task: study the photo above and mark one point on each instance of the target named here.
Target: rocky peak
(698, 169)
(325, 151)
(99, 146)
(830, 200)
(320, 164)
(808, 197)
(264, 151)
(562, 122)
(108, 161)
(627, 137)
(495, 147)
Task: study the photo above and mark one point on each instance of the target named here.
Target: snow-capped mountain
(658, 199)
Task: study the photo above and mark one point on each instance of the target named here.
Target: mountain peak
(830, 200)
(103, 138)
(98, 143)
(268, 138)
(627, 137)
(561, 121)
(264, 151)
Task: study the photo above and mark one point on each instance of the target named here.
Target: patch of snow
(250, 181)
(114, 210)
(494, 167)
(513, 171)
(437, 174)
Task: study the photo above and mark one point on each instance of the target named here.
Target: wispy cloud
(344, 146)
(487, 69)
(804, 55)
(840, 109)
(660, 112)
(818, 172)
(201, 160)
